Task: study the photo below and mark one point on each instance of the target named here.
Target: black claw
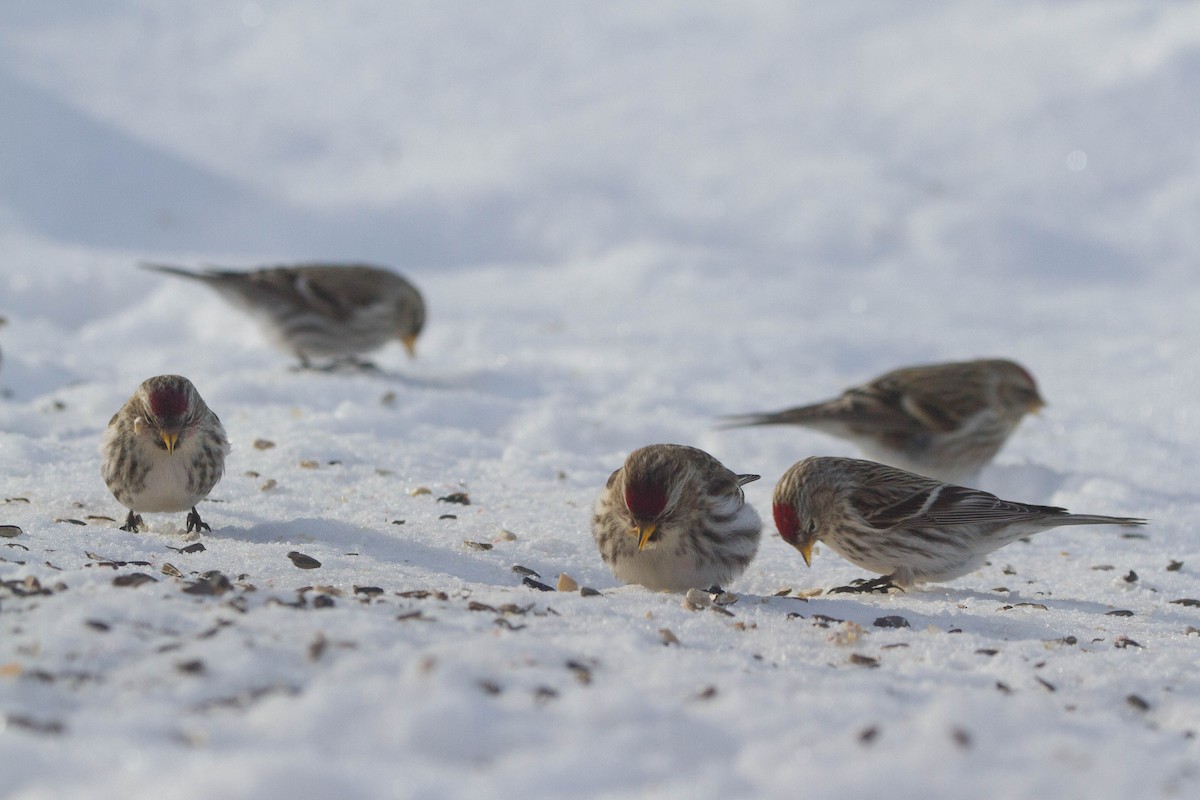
(881, 585)
(132, 522)
(194, 523)
(714, 589)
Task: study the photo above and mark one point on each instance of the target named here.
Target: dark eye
(812, 526)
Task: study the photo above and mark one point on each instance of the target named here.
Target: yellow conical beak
(645, 530)
(169, 439)
(806, 548)
(410, 345)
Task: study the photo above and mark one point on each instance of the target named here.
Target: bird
(163, 451)
(673, 518)
(909, 528)
(946, 421)
(322, 311)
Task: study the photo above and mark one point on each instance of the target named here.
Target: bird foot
(194, 523)
(133, 522)
(881, 585)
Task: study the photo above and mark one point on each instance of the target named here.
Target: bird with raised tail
(164, 451)
(946, 421)
(673, 518)
(906, 527)
(322, 311)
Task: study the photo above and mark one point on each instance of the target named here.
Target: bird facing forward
(946, 421)
(164, 451)
(674, 518)
(322, 311)
(907, 527)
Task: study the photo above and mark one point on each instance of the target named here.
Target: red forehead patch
(167, 402)
(645, 502)
(787, 521)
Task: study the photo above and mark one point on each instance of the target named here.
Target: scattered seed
(1130, 577)
(477, 545)
(475, 605)
(535, 584)
(668, 638)
(1104, 568)
(1190, 602)
(583, 673)
(1138, 702)
(9, 531)
(98, 518)
(133, 579)
(68, 519)
(448, 516)
(696, 599)
(566, 583)
(409, 615)
(894, 645)
(421, 594)
(16, 499)
(309, 463)
(44, 728)
(1003, 687)
(211, 583)
(263, 444)
(707, 693)
(505, 536)
(369, 591)
(503, 623)
(98, 625)
(986, 651)
(891, 622)
(197, 547)
(456, 497)
(388, 398)
(782, 593)
(1119, 612)
(1038, 606)
(268, 485)
(961, 738)
(302, 561)
(1122, 642)
(587, 591)
(193, 667)
(1174, 566)
(517, 568)
(490, 687)
(419, 490)
(1134, 536)
(868, 734)
(323, 601)
(251, 474)
(864, 661)
(1050, 687)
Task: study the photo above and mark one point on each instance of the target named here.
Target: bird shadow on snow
(339, 539)
(1007, 621)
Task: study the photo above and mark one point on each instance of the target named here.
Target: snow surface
(628, 219)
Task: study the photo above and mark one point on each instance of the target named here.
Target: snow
(627, 220)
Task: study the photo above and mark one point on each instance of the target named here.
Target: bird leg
(346, 364)
(133, 522)
(194, 523)
(881, 585)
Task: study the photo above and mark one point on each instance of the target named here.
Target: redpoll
(673, 518)
(943, 420)
(323, 311)
(163, 451)
(908, 527)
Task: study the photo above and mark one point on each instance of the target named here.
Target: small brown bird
(946, 421)
(163, 451)
(322, 311)
(674, 518)
(907, 527)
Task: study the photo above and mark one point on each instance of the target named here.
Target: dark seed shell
(302, 561)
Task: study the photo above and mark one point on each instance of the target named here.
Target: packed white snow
(627, 219)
